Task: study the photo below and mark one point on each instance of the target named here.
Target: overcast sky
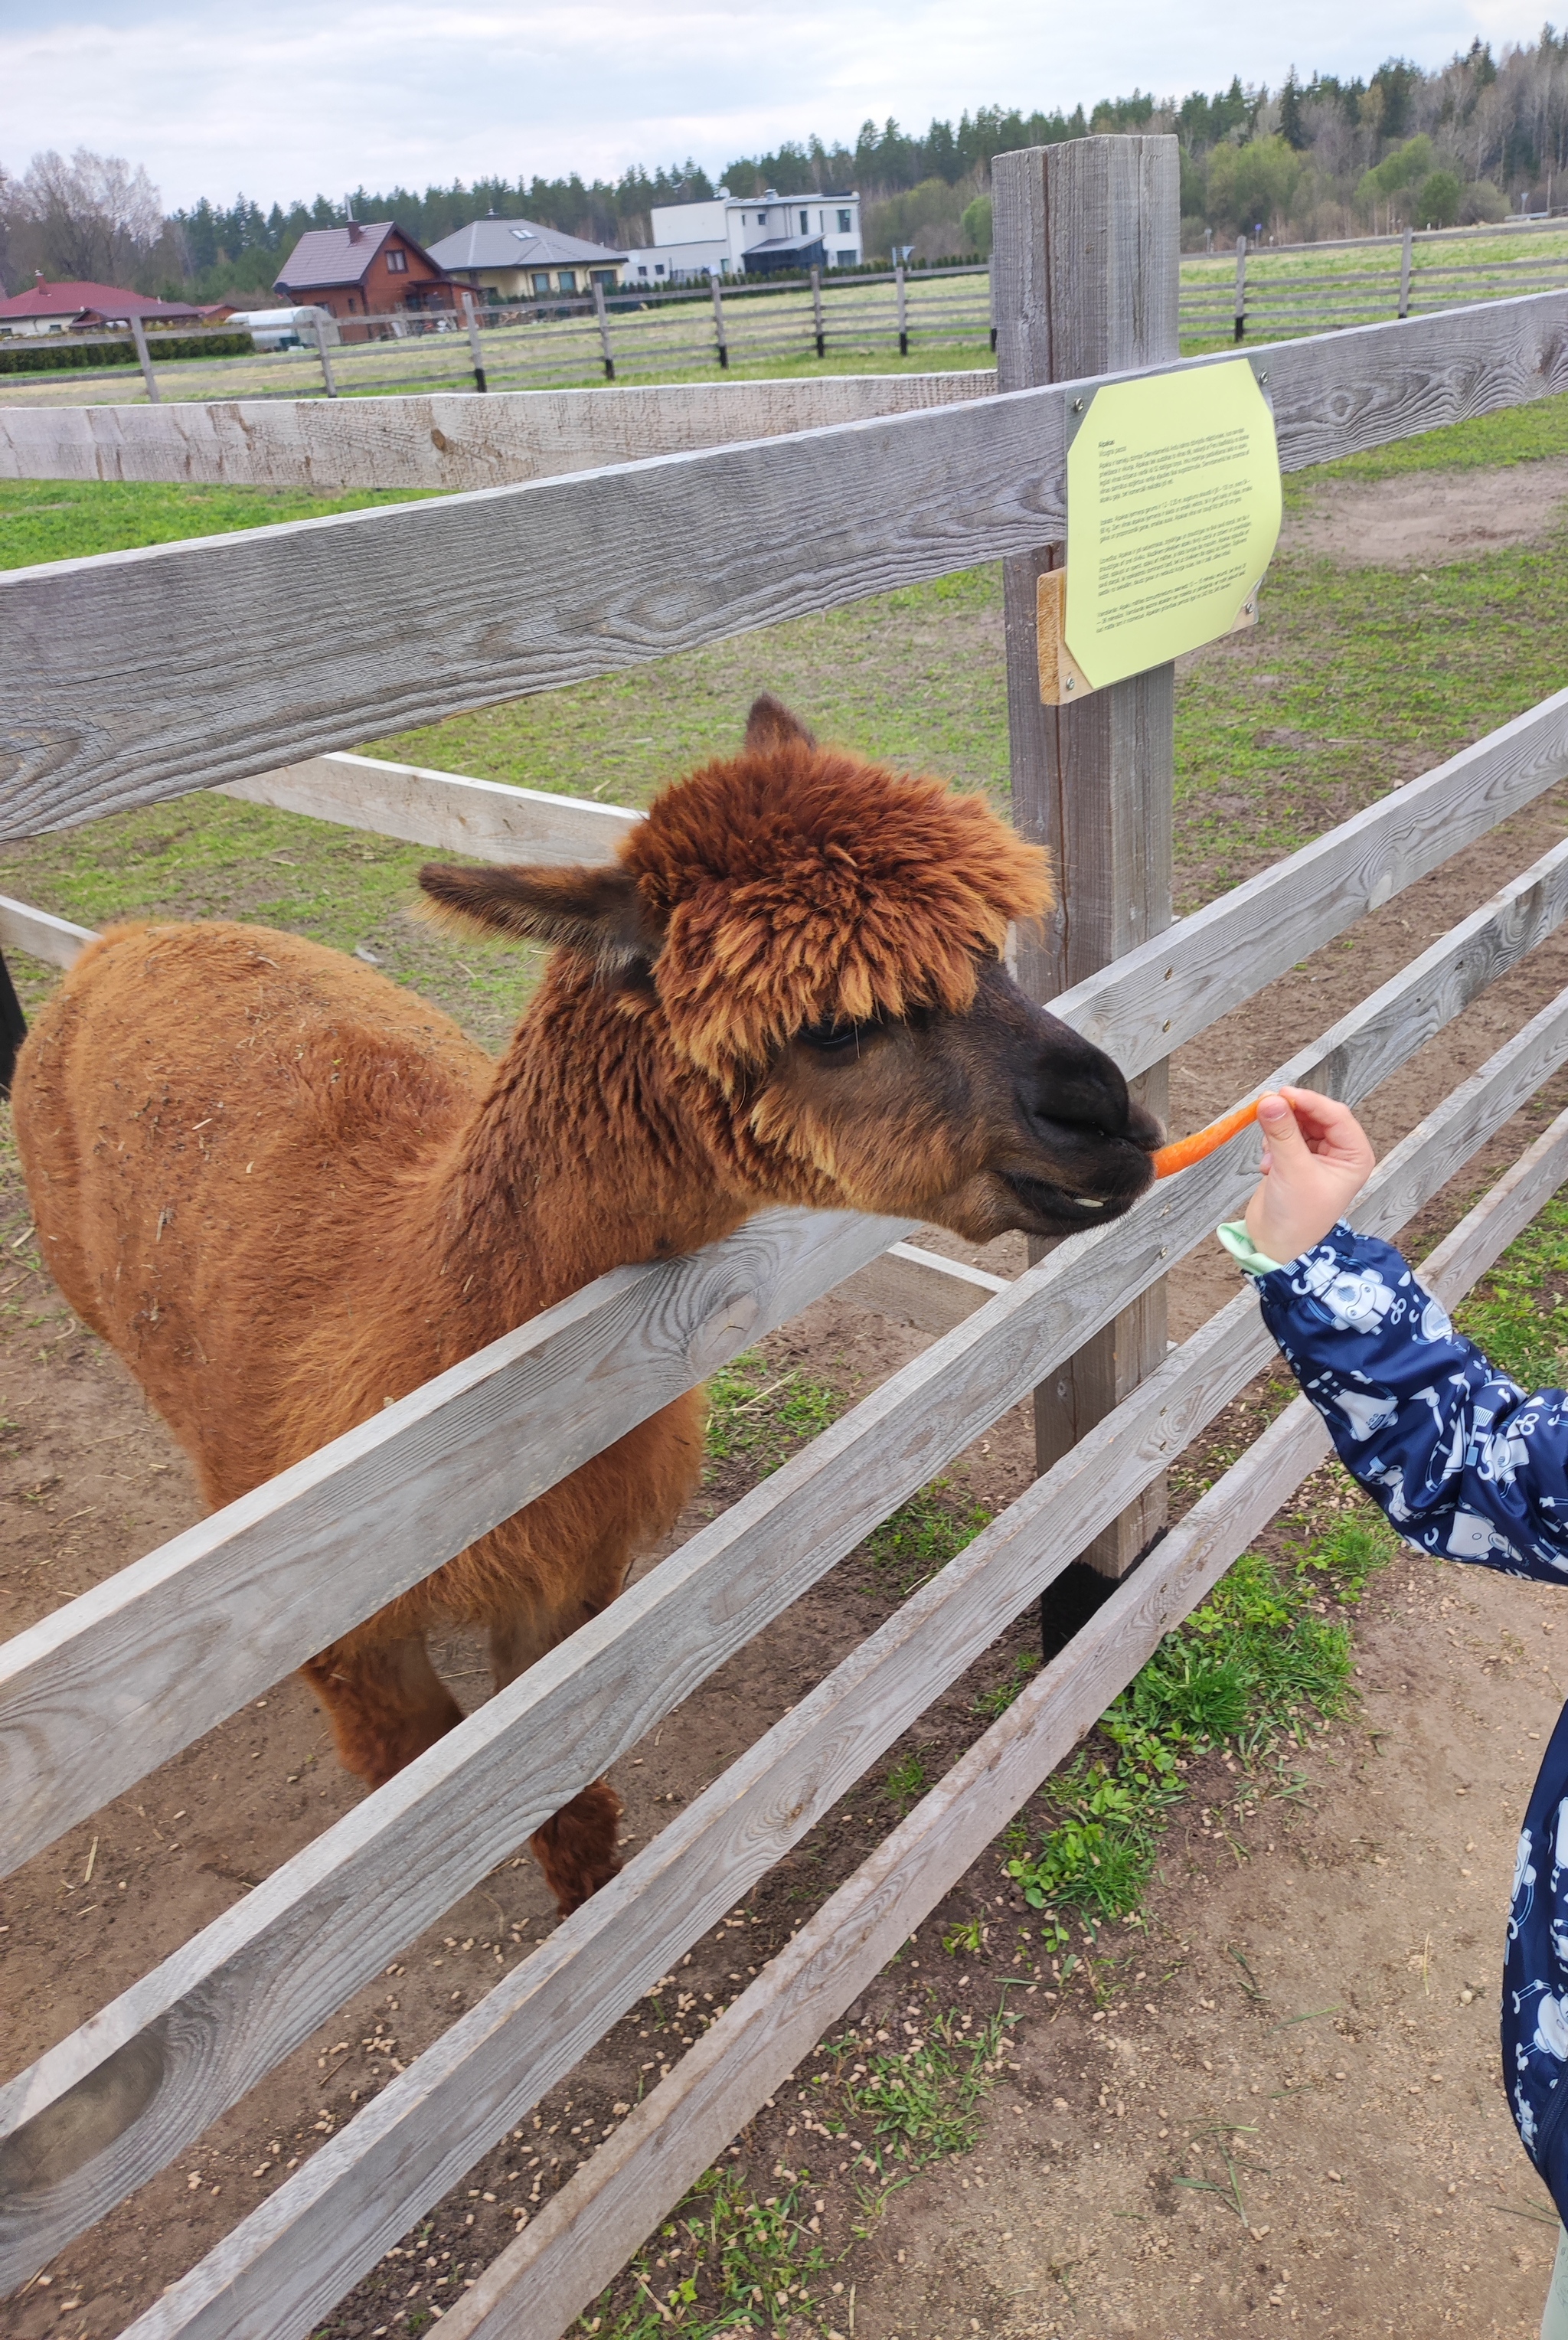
(294, 98)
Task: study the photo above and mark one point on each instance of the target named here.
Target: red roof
(107, 301)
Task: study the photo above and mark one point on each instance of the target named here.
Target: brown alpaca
(287, 1191)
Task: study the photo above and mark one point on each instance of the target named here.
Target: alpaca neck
(586, 1154)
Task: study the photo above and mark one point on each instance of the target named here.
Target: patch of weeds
(922, 2103)
(758, 1416)
(969, 1937)
(996, 1700)
(921, 1537)
(1097, 1856)
(1247, 1670)
(1517, 1312)
(724, 2262)
(906, 1783)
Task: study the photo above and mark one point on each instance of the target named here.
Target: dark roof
(70, 300)
(517, 244)
(782, 247)
(341, 255)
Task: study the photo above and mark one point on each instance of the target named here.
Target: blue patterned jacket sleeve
(1463, 1461)
(1466, 1465)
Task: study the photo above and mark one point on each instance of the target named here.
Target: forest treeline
(1474, 140)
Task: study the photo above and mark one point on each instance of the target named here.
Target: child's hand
(1315, 1162)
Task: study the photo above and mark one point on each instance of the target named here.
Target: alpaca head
(813, 946)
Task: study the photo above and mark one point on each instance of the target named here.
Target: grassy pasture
(1350, 675)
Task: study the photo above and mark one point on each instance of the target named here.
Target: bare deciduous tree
(96, 218)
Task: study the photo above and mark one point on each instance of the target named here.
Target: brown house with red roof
(365, 270)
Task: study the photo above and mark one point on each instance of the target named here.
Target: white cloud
(303, 100)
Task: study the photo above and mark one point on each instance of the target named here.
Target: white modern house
(748, 235)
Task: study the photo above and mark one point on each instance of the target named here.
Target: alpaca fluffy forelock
(810, 887)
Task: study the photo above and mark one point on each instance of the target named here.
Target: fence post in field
(321, 332)
(1240, 287)
(903, 315)
(143, 359)
(602, 314)
(471, 316)
(1086, 272)
(719, 321)
(991, 297)
(817, 311)
(1404, 276)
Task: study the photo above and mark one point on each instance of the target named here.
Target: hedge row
(48, 356)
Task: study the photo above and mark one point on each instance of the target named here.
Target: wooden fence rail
(150, 674)
(296, 2253)
(202, 2026)
(146, 674)
(576, 2243)
(183, 1636)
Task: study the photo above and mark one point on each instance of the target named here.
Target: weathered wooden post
(602, 314)
(321, 332)
(1404, 276)
(143, 359)
(475, 349)
(1085, 276)
(1241, 288)
(903, 310)
(817, 312)
(718, 326)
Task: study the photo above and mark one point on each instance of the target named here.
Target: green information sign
(1173, 512)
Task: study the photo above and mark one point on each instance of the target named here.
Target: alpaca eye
(833, 1039)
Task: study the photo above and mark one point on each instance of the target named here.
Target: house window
(397, 263)
(642, 269)
(805, 223)
(659, 268)
(568, 280)
(844, 228)
(542, 281)
(846, 256)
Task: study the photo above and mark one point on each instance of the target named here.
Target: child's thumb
(1281, 1134)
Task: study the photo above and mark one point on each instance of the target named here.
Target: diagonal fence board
(296, 2253)
(137, 675)
(41, 935)
(578, 2241)
(203, 2025)
(1168, 990)
(109, 1685)
(488, 818)
(181, 1637)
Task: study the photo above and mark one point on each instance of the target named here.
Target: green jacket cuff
(1234, 1236)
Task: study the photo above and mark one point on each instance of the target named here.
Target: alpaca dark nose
(1073, 1082)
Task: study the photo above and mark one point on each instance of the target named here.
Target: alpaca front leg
(384, 1701)
(577, 1850)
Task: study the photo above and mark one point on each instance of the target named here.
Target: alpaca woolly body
(287, 1191)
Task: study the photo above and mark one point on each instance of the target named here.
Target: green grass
(757, 1416)
(1256, 1665)
(921, 1537)
(1518, 1313)
(66, 520)
(724, 2262)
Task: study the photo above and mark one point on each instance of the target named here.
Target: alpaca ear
(596, 912)
(772, 725)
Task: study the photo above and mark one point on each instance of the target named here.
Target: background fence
(938, 313)
(140, 676)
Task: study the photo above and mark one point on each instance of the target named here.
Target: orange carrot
(1187, 1150)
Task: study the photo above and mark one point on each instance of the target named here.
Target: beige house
(514, 260)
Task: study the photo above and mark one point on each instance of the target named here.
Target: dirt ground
(1427, 518)
(1315, 1995)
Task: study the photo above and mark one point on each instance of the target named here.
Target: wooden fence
(1278, 296)
(142, 676)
